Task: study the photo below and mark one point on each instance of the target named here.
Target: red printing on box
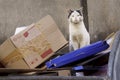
(46, 53)
(25, 34)
(32, 62)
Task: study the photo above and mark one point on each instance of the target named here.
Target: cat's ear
(80, 9)
(70, 11)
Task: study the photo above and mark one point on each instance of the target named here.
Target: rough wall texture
(103, 17)
(16, 13)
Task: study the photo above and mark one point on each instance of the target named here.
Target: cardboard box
(10, 57)
(32, 46)
(49, 28)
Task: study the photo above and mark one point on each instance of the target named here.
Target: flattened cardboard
(32, 46)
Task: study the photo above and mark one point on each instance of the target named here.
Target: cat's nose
(76, 19)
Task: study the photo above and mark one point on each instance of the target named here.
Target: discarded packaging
(32, 46)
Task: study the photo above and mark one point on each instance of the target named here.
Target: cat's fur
(78, 35)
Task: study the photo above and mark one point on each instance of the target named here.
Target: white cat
(78, 35)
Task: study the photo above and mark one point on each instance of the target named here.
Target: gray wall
(16, 13)
(103, 18)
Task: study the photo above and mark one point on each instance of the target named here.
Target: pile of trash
(33, 49)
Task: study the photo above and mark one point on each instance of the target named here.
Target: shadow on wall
(2, 39)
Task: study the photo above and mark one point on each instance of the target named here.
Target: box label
(46, 53)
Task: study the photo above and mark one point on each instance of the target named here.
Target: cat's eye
(72, 15)
(78, 15)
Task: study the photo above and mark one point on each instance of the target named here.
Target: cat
(78, 35)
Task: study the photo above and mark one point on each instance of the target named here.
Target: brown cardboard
(32, 46)
(10, 57)
(64, 73)
(49, 28)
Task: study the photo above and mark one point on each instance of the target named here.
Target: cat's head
(75, 16)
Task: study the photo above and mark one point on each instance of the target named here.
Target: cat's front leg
(75, 45)
(84, 43)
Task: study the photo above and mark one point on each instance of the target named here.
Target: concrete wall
(102, 15)
(16, 13)
(103, 18)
